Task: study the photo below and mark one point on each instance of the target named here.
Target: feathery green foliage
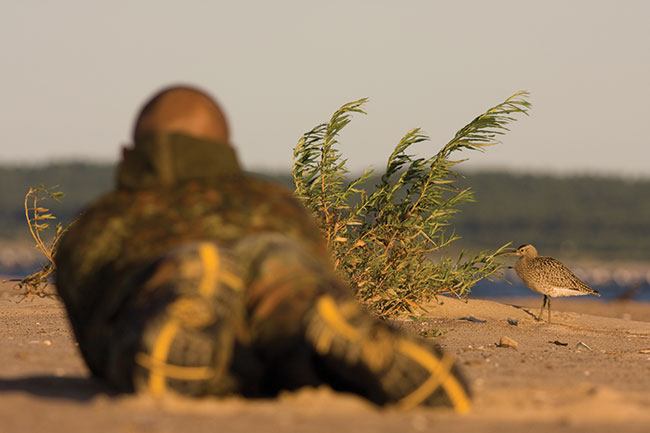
(382, 241)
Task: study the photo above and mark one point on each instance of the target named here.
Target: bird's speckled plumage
(548, 276)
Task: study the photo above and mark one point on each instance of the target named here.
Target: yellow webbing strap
(174, 371)
(440, 375)
(159, 355)
(329, 311)
(232, 280)
(213, 272)
(209, 256)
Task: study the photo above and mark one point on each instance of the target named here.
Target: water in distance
(634, 291)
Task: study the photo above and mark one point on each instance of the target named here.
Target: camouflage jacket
(172, 189)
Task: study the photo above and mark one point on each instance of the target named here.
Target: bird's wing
(559, 275)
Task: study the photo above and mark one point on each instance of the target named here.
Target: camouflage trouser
(262, 317)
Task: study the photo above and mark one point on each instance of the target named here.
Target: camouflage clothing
(109, 249)
(194, 276)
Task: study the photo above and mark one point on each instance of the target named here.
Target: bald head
(183, 110)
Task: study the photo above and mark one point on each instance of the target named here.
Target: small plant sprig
(383, 241)
(39, 219)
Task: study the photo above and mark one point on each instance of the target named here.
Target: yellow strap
(327, 309)
(440, 375)
(212, 272)
(159, 355)
(429, 386)
(232, 280)
(210, 261)
(174, 371)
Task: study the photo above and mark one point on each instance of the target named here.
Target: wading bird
(548, 277)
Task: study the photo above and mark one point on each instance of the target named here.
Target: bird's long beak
(507, 253)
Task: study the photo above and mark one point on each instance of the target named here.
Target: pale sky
(74, 74)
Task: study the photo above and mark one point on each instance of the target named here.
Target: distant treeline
(598, 217)
(582, 216)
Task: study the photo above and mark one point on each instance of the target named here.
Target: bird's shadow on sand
(71, 388)
(524, 309)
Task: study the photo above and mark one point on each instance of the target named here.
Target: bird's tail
(586, 289)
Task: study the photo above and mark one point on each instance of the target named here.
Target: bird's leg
(549, 310)
(542, 310)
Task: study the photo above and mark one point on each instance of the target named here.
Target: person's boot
(381, 363)
(189, 312)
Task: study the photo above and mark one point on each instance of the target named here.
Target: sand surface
(588, 371)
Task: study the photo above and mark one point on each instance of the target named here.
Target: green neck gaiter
(168, 159)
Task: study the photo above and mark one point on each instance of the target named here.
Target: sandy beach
(588, 371)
